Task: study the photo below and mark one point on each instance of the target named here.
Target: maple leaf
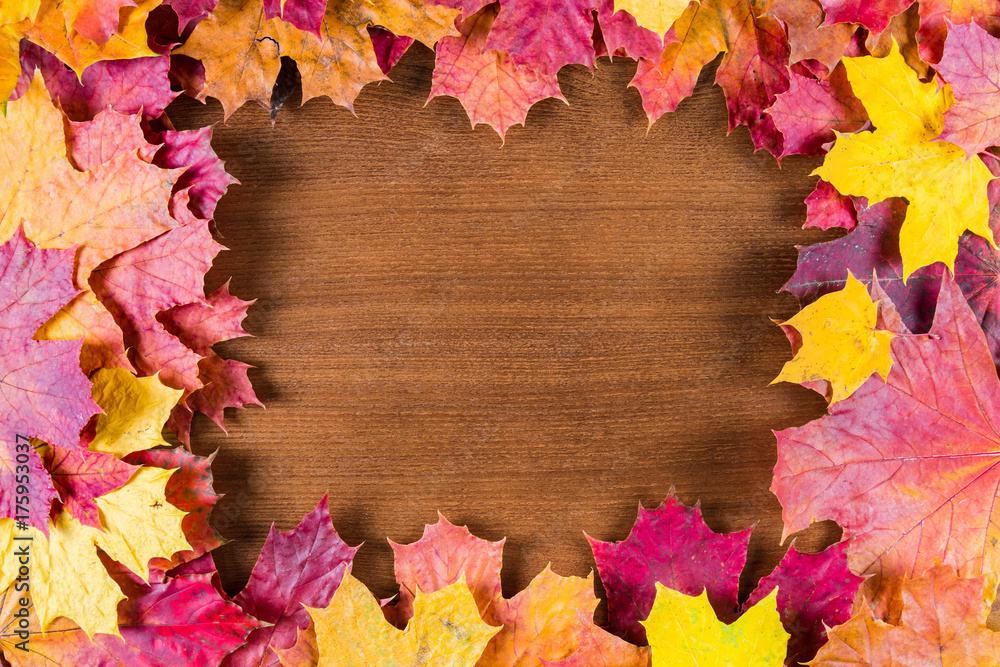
(304, 652)
(752, 73)
(189, 11)
(840, 342)
(599, 648)
(874, 247)
(947, 193)
(943, 623)
(24, 483)
(104, 210)
(138, 85)
(54, 31)
(189, 489)
(15, 18)
(811, 111)
(623, 36)
(81, 476)
(43, 394)
(903, 30)
(808, 38)
(544, 622)
(389, 47)
(671, 545)
(935, 15)
(545, 35)
(205, 178)
(160, 274)
(85, 318)
(492, 88)
(971, 66)
(296, 570)
(445, 629)
(241, 48)
(139, 524)
(655, 15)
(685, 632)
(919, 446)
(135, 410)
(815, 591)
(872, 14)
(66, 577)
(444, 554)
(826, 208)
(183, 621)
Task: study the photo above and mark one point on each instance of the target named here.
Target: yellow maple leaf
(65, 574)
(15, 17)
(655, 15)
(139, 523)
(135, 410)
(106, 210)
(946, 192)
(683, 631)
(839, 341)
(53, 30)
(445, 629)
(241, 49)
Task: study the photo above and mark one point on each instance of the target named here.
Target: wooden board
(532, 338)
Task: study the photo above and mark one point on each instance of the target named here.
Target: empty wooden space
(531, 338)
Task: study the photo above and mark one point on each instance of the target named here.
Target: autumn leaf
(811, 111)
(183, 621)
(599, 648)
(66, 577)
(445, 629)
(671, 545)
(139, 524)
(815, 591)
(684, 631)
(840, 342)
(25, 487)
(874, 247)
(444, 554)
(44, 393)
(85, 319)
(296, 570)
(971, 66)
(135, 410)
(105, 210)
(947, 193)
(492, 88)
(943, 623)
(545, 35)
(655, 15)
(15, 18)
(753, 72)
(160, 274)
(808, 38)
(624, 37)
(54, 31)
(826, 208)
(919, 446)
(389, 47)
(936, 14)
(241, 48)
(189, 489)
(872, 14)
(80, 477)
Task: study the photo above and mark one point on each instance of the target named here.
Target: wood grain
(531, 338)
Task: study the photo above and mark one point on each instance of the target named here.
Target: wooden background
(531, 338)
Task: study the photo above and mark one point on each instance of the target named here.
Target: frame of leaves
(108, 338)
